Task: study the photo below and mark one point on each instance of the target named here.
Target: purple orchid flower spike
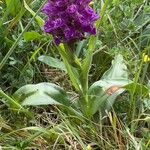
(69, 20)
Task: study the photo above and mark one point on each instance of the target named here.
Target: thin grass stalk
(4, 60)
(133, 97)
(102, 13)
(13, 104)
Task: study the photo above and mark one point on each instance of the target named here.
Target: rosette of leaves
(101, 94)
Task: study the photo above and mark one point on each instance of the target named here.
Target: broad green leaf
(107, 83)
(52, 62)
(112, 81)
(41, 94)
(118, 70)
(32, 35)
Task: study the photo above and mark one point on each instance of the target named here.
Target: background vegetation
(28, 55)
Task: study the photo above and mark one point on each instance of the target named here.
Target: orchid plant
(69, 22)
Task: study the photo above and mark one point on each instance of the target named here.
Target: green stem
(71, 66)
(83, 70)
(84, 74)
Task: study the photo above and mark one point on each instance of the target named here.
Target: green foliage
(52, 62)
(32, 35)
(101, 105)
(139, 88)
(41, 94)
(98, 98)
(13, 6)
(39, 20)
(72, 66)
(116, 77)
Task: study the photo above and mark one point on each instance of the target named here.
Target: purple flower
(69, 20)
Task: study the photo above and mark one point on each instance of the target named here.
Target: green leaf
(145, 36)
(139, 89)
(39, 20)
(32, 35)
(116, 2)
(13, 6)
(116, 77)
(142, 20)
(86, 65)
(118, 70)
(71, 70)
(52, 62)
(41, 94)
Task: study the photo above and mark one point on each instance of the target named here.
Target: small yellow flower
(145, 58)
(88, 147)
